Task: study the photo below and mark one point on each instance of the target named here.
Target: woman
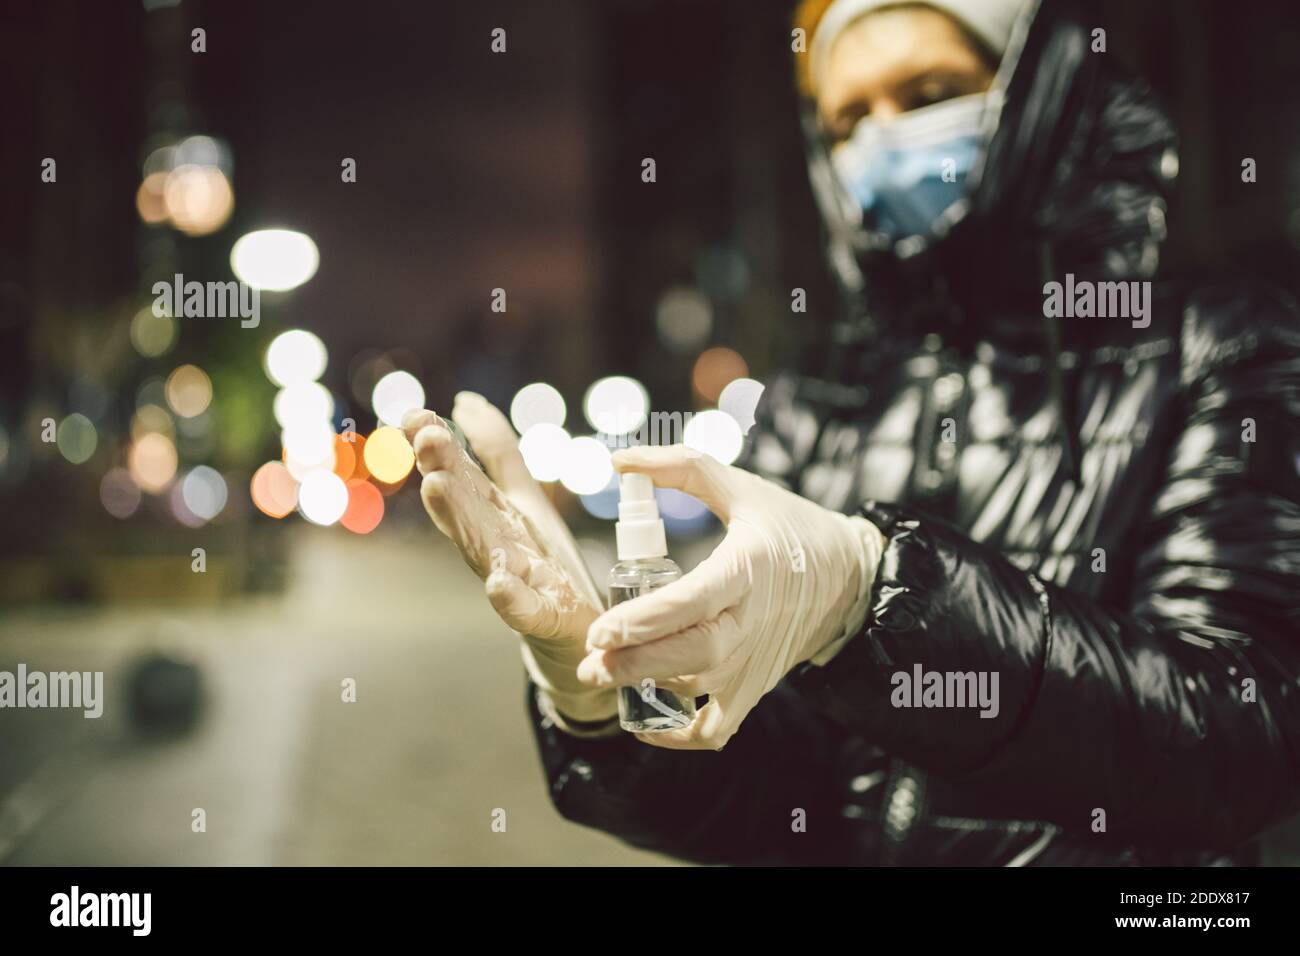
(1093, 516)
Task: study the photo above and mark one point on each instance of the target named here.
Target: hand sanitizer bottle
(642, 566)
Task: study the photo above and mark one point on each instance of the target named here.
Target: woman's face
(895, 60)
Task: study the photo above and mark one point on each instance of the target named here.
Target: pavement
(284, 770)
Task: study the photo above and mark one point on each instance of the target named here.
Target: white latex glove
(512, 537)
(789, 579)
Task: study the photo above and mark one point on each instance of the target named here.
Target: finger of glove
(717, 583)
(494, 442)
(482, 534)
(692, 651)
(416, 418)
(682, 468)
(432, 452)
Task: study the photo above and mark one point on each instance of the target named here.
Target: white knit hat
(990, 20)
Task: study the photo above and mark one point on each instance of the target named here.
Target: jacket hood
(1074, 179)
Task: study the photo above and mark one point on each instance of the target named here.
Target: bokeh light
(365, 507)
(200, 150)
(152, 418)
(715, 369)
(616, 405)
(345, 457)
(189, 390)
(303, 403)
(76, 438)
(586, 466)
(152, 391)
(682, 513)
(388, 455)
(322, 497)
(537, 404)
(683, 319)
(396, 394)
(544, 448)
(604, 503)
(740, 399)
(678, 505)
(152, 335)
(204, 492)
(118, 493)
(198, 199)
(274, 490)
(308, 447)
(715, 433)
(188, 184)
(295, 357)
(149, 199)
(358, 446)
(180, 510)
(152, 462)
(274, 259)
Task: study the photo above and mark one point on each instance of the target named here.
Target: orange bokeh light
(715, 369)
(274, 490)
(359, 469)
(345, 457)
(365, 507)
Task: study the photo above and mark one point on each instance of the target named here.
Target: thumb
(688, 470)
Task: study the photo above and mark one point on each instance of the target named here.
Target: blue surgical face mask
(909, 175)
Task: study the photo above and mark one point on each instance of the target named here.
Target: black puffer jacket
(1108, 517)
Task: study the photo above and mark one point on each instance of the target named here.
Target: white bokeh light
(305, 403)
(204, 492)
(537, 404)
(616, 405)
(394, 395)
(275, 260)
(307, 448)
(323, 497)
(586, 466)
(739, 400)
(715, 433)
(544, 448)
(295, 356)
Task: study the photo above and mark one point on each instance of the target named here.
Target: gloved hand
(788, 579)
(512, 537)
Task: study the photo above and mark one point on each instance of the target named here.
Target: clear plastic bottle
(642, 566)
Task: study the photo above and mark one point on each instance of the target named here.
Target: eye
(840, 127)
(931, 92)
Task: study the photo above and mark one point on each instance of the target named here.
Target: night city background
(474, 171)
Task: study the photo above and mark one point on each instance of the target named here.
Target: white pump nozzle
(639, 530)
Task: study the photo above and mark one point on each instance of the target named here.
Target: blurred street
(242, 241)
(288, 773)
